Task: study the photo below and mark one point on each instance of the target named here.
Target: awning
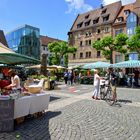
(7, 56)
(96, 65)
(127, 64)
(16, 59)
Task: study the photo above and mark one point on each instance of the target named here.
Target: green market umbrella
(7, 56)
(127, 64)
(15, 59)
(96, 65)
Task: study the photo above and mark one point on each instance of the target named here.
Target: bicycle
(107, 94)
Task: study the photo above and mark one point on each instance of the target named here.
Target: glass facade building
(131, 24)
(25, 40)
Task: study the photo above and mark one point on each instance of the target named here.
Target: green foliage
(134, 42)
(109, 44)
(59, 50)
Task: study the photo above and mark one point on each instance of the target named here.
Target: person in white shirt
(15, 81)
(96, 92)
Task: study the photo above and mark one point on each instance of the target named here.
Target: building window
(104, 11)
(81, 43)
(88, 54)
(120, 19)
(81, 55)
(74, 56)
(86, 42)
(119, 31)
(79, 25)
(126, 12)
(95, 21)
(89, 42)
(87, 16)
(106, 18)
(98, 39)
(131, 31)
(106, 29)
(118, 58)
(88, 34)
(98, 54)
(87, 23)
(98, 31)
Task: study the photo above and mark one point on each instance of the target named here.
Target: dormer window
(79, 25)
(96, 20)
(87, 23)
(126, 12)
(105, 18)
(104, 11)
(120, 19)
(87, 16)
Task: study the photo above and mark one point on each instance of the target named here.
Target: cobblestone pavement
(75, 116)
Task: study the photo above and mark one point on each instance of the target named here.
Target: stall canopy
(7, 56)
(96, 65)
(127, 64)
(48, 67)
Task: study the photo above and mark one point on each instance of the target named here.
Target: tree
(134, 42)
(109, 44)
(59, 50)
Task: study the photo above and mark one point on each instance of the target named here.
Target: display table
(16, 108)
(31, 104)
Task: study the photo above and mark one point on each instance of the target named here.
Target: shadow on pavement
(52, 98)
(124, 101)
(35, 128)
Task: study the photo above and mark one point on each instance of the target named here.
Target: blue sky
(53, 17)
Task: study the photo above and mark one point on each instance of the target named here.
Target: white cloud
(123, 1)
(78, 6)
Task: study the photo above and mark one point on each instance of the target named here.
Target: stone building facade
(94, 25)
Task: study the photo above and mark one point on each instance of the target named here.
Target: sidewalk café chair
(36, 88)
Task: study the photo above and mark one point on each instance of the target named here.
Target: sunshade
(4, 49)
(127, 64)
(15, 59)
(96, 65)
(39, 67)
(7, 56)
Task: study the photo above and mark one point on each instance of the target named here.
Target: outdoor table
(31, 104)
(11, 109)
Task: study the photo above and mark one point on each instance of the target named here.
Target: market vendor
(15, 81)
